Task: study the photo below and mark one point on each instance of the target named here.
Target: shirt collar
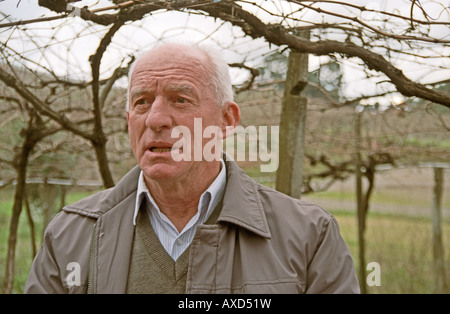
(208, 200)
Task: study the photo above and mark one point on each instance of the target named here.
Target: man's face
(169, 88)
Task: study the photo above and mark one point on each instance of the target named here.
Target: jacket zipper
(90, 288)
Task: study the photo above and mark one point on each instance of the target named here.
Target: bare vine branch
(280, 35)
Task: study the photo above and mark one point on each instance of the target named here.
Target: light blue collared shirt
(174, 242)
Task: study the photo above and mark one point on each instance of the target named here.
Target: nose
(159, 117)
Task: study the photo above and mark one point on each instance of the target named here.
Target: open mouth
(160, 149)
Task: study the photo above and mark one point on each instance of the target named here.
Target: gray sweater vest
(152, 269)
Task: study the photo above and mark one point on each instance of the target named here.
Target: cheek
(135, 132)
(133, 143)
(213, 119)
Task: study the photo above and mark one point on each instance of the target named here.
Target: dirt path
(398, 192)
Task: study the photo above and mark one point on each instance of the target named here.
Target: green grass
(24, 254)
(415, 141)
(23, 250)
(402, 247)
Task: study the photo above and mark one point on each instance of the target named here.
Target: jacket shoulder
(303, 222)
(91, 206)
(99, 203)
(274, 200)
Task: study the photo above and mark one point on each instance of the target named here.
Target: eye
(181, 100)
(141, 103)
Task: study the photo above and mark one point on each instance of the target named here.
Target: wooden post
(360, 204)
(49, 190)
(292, 125)
(441, 285)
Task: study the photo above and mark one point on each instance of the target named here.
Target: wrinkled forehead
(173, 58)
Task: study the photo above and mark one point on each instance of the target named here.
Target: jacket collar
(100, 203)
(242, 202)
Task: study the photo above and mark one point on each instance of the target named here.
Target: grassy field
(399, 241)
(402, 247)
(399, 227)
(24, 256)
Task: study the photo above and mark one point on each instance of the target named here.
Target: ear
(231, 115)
(128, 120)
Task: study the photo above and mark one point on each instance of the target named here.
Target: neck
(179, 199)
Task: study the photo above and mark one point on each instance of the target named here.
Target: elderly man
(189, 225)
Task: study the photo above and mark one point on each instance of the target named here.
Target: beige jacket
(263, 242)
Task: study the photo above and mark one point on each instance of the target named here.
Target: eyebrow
(174, 88)
(186, 88)
(136, 92)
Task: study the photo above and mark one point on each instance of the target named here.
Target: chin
(162, 172)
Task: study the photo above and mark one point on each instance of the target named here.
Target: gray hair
(220, 75)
